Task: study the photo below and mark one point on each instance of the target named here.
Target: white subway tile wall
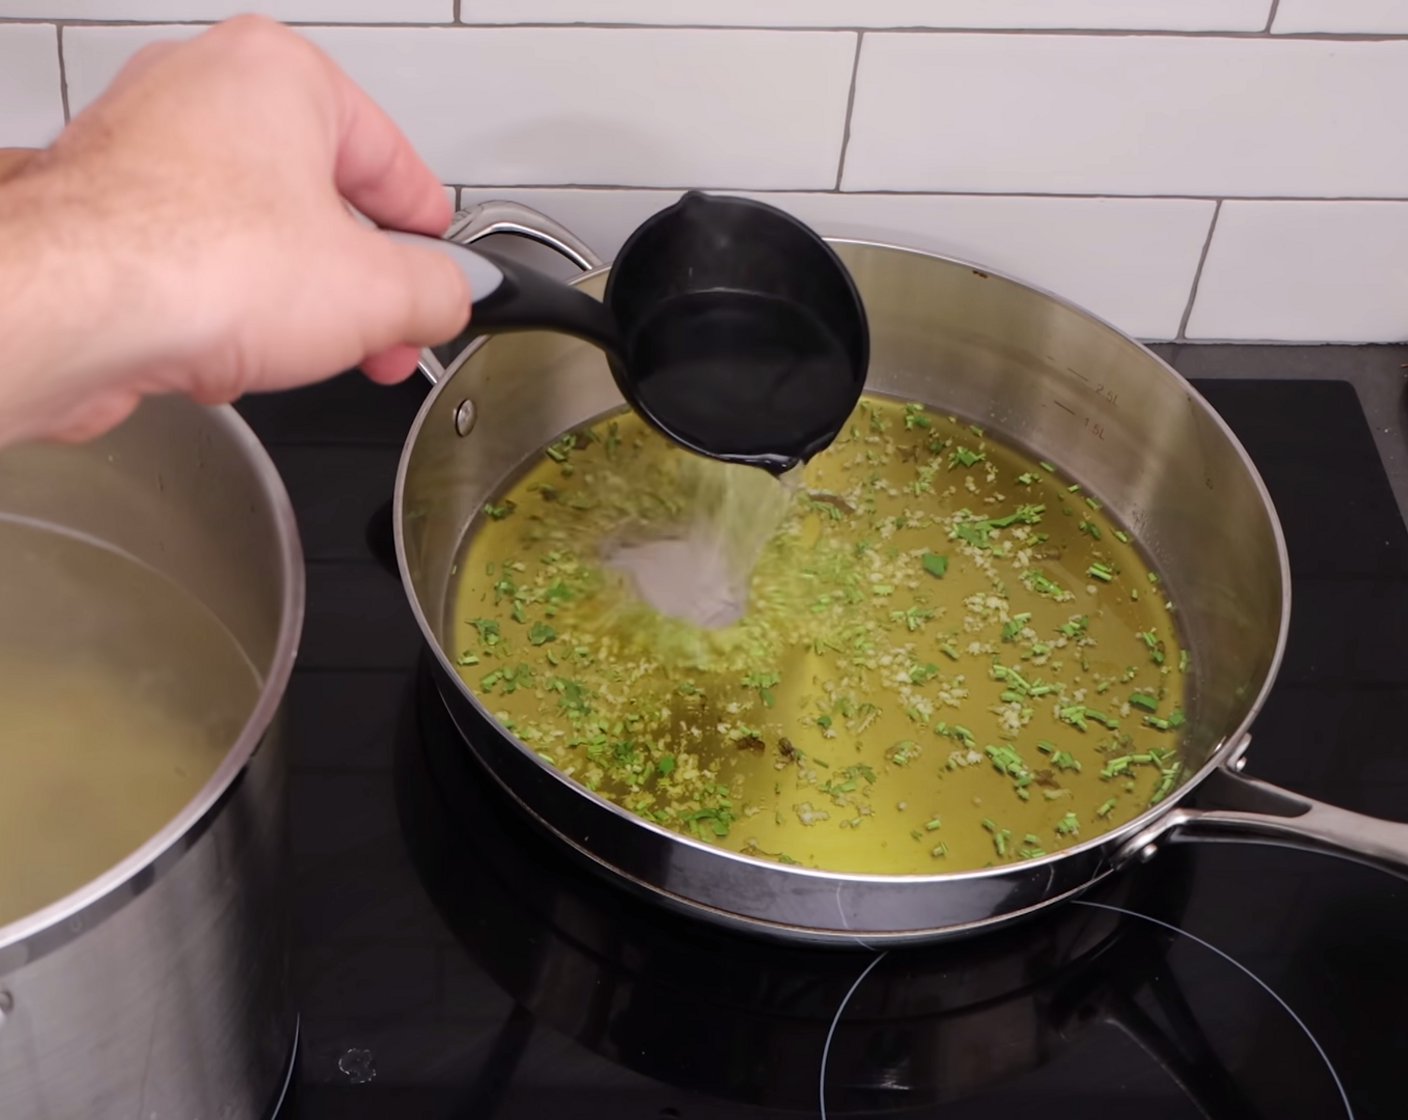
(1306, 271)
(1150, 114)
(639, 107)
(293, 11)
(1161, 15)
(1364, 17)
(1082, 145)
(31, 104)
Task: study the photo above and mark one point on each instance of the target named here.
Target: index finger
(377, 170)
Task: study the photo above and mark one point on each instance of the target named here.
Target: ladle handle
(1251, 810)
(508, 296)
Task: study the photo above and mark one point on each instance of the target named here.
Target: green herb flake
(903, 753)
(1099, 571)
(1093, 504)
(1145, 700)
(1090, 529)
(918, 674)
(1074, 714)
(764, 683)
(1106, 809)
(666, 766)
(1047, 467)
(934, 564)
(1012, 628)
(488, 630)
(1175, 720)
(1068, 825)
(1100, 717)
(1006, 760)
(1166, 783)
(510, 678)
(540, 633)
(500, 511)
(1039, 583)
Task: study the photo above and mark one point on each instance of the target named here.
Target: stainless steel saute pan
(960, 339)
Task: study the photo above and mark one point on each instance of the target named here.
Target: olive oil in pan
(950, 656)
(119, 696)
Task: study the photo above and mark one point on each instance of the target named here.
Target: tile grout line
(850, 106)
(1181, 336)
(457, 20)
(1271, 15)
(63, 73)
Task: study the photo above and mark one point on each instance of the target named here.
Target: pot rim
(42, 931)
(1139, 829)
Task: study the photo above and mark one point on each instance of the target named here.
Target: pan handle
(502, 216)
(1250, 811)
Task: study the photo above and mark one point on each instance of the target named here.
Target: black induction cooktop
(451, 963)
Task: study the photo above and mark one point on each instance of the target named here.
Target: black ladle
(728, 324)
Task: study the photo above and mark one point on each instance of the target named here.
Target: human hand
(190, 232)
(13, 160)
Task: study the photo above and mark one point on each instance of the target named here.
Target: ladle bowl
(728, 324)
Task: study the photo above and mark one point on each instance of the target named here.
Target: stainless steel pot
(963, 340)
(160, 989)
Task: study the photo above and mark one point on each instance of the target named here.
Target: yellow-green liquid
(951, 656)
(119, 696)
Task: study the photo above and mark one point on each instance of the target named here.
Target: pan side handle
(502, 216)
(1246, 810)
